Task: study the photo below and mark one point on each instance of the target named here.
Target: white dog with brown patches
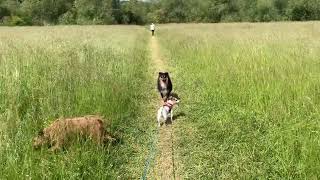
(167, 109)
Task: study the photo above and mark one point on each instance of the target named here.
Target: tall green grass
(251, 97)
(67, 71)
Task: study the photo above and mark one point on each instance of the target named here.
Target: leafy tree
(301, 10)
(265, 10)
(116, 12)
(93, 11)
(39, 12)
(4, 12)
(133, 12)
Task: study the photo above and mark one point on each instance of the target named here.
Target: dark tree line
(42, 12)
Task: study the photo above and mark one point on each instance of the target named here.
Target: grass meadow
(250, 94)
(250, 99)
(67, 71)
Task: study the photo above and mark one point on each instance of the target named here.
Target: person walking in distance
(152, 28)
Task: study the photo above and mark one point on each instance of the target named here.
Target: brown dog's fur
(61, 130)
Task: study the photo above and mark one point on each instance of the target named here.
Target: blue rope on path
(152, 155)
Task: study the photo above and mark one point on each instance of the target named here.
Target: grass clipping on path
(52, 72)
(250, 93)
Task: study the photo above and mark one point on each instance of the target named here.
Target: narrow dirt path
(164, 167)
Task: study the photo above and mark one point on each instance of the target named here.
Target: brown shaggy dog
(61, 131)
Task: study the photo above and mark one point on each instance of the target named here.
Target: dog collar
(169, 105)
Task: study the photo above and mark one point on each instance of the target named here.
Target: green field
(52, 72)
(251, 97)
(249, 93)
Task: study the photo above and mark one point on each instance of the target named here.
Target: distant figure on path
(152, 28)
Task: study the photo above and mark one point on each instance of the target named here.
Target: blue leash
(152, 155)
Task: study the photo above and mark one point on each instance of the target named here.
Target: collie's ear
(175, 95)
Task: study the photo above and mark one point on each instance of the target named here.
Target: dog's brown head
(163, 76)
(174, 98)
(39, 140)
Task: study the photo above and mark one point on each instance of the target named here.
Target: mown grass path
(164, 167)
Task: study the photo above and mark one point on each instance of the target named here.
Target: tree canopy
(42, 12)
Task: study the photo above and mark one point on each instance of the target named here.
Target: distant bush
(14, 21)
(68, 18)
(4, 12)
